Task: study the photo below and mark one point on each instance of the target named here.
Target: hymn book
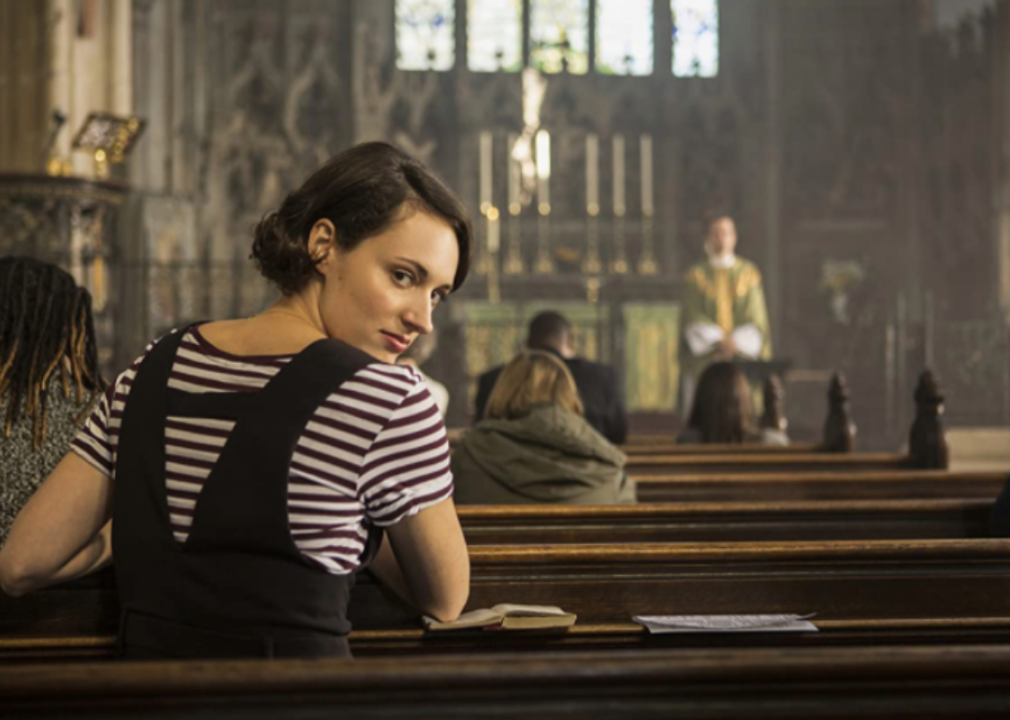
(506, 616)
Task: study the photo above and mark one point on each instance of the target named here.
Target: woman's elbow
(15, 580)
(448, 600)
(448, 608)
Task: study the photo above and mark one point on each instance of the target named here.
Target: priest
(724, 314)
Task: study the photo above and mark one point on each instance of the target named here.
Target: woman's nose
(419, 316)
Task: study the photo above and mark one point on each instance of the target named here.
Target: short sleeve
(407, 467)
(93, 441)
(98, 438)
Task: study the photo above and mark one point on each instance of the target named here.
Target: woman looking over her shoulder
(249, 466)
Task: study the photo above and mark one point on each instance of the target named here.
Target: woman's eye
(402, 277)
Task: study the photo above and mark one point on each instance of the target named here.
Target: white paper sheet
(725, 623)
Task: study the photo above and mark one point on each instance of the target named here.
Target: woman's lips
(396, 343)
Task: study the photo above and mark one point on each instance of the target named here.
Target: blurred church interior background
(862, 147)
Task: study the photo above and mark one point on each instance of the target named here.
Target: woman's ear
(322, 240)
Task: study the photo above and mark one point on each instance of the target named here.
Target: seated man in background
(597, 383)
(534, 446)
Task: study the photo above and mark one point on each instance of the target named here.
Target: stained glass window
(559, 30)
(695, 38)
(425, 34)
(624, 37)
(495, 35)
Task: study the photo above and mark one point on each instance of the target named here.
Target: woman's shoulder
(400, 379)
(386, 397)
(569, 431)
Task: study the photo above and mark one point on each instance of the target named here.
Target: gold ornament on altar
(109, 138)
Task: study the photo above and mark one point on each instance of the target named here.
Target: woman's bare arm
(424, 560)
(62, 532)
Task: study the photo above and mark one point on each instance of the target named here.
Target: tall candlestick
(619, 204)
(543, 154)
(592, 174)
(646, 143)
(493, 230)
(486, 152)
(515, 179)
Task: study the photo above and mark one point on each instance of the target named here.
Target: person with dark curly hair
(722, 412)
(49, 376)
(251, 467)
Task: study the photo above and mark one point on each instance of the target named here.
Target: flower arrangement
(839, 278)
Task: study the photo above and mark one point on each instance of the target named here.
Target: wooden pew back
(766, 462)
(723, 522)
(816, 486)
(931, 582)
(902, 682)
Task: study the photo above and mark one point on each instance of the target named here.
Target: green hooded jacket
(549, 455)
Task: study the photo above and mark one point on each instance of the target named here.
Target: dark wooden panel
(713, 683)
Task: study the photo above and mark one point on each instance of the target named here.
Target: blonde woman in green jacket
(534, 446)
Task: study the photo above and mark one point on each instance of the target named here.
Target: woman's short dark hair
(722, 410)
(363, 191)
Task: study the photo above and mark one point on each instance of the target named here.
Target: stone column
(24, 67)
(773, 172)
(1002, 200)
(121, 57)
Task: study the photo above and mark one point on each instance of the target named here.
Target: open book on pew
(657, 624)
(506, 616)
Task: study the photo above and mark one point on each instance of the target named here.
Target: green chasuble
(728, 297)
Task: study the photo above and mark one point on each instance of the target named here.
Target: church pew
(817, 486)
(722, 522)
(641, 448)
(889, 591)
(744, 684)
(766, 462)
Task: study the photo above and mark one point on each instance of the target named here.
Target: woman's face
(380, 296)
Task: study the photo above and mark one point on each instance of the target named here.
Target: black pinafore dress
(238, 587)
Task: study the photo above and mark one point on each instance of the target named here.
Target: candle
(486, 151)
(493, 230)
(515, 179)
(646, 143)
(543, 155)
(592, 174)
(619, 205)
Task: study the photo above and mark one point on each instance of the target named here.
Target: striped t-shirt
(374, 452)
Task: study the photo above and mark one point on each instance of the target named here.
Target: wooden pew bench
(642, 448)
(767, 487)
(838, 683)
(881, 591)
(722, 522)
(766, 462)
